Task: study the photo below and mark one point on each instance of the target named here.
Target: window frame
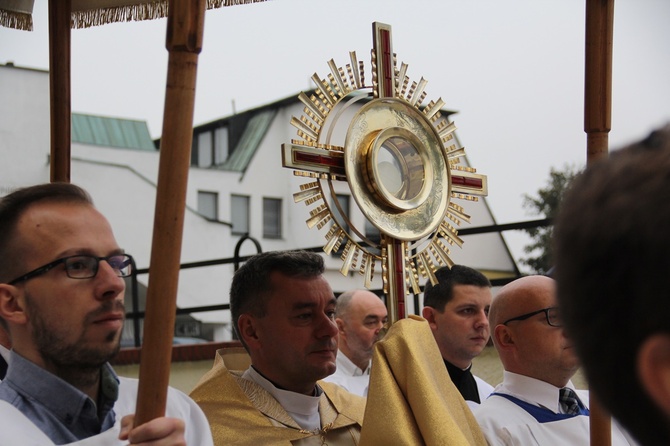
(236, 213)
(215, 196)
(277, 218)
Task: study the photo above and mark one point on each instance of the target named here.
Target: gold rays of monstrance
(401, 163)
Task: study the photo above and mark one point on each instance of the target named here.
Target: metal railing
(136, 315)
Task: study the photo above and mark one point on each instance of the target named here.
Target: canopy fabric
(86, 13)
(17, 14)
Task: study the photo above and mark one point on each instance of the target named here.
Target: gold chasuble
(411, 399)
(240, 412)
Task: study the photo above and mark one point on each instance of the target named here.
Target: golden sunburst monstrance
(400, 160)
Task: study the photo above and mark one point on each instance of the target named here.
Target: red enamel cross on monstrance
(402, 166)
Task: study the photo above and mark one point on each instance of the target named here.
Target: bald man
(360, 316)
(531, 406)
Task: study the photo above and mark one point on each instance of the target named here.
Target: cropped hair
(15, 204)
(611, 241)
(343, 301)
(437, 296)
(252, 286)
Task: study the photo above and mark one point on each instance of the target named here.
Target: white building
(236, 185)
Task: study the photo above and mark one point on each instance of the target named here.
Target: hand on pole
(159, 431)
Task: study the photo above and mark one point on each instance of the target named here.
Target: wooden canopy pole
(598, 77)
(184, 41)
(597, 124)
(59, 83)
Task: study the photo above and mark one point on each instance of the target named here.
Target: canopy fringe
(211, 4)
(16, 20)
(144, 11)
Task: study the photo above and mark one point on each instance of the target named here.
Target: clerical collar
(464, 381)
(304, 409)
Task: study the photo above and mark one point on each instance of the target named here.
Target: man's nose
(108, 282)
(482, 319)
(327, 327)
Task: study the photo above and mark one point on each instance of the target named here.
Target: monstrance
(401, 163)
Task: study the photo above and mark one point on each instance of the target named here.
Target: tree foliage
(546, 204)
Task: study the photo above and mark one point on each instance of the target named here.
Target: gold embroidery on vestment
(320, 432)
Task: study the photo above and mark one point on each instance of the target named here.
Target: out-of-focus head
(611, 250)
(527, 331)
(360, 317)
(456, 309)
(284, 310)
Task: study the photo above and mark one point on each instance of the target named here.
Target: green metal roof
(251, 138)
(111, 132)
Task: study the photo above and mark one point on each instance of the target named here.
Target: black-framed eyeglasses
(552, 314)
(83, 267)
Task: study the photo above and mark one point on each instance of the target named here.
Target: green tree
(545, 203)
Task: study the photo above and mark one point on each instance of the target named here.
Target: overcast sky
(512, 69)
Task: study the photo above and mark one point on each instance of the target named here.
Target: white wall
(24, 127)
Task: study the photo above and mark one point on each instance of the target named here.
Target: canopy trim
(126, 11)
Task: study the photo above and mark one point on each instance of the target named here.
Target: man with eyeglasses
(536, 403)
(61, 300)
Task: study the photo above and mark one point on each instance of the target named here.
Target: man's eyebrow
(467, 305)
(311, 304)
(303, 305)
(88, 252)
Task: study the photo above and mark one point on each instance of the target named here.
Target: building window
(341, 218)
(374, 236)
(271, 217)
(372, 233)
(210, 148)
(208, 205)
(220, 145)
(239, 213)
(205, 149)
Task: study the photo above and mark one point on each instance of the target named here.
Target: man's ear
(11, 305)
(502, 336)
(653, 368)
(340, 324)
(428, 314)
(248, 330)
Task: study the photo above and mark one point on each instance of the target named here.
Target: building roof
(247, 129)
(111, 132)
(249, 142)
